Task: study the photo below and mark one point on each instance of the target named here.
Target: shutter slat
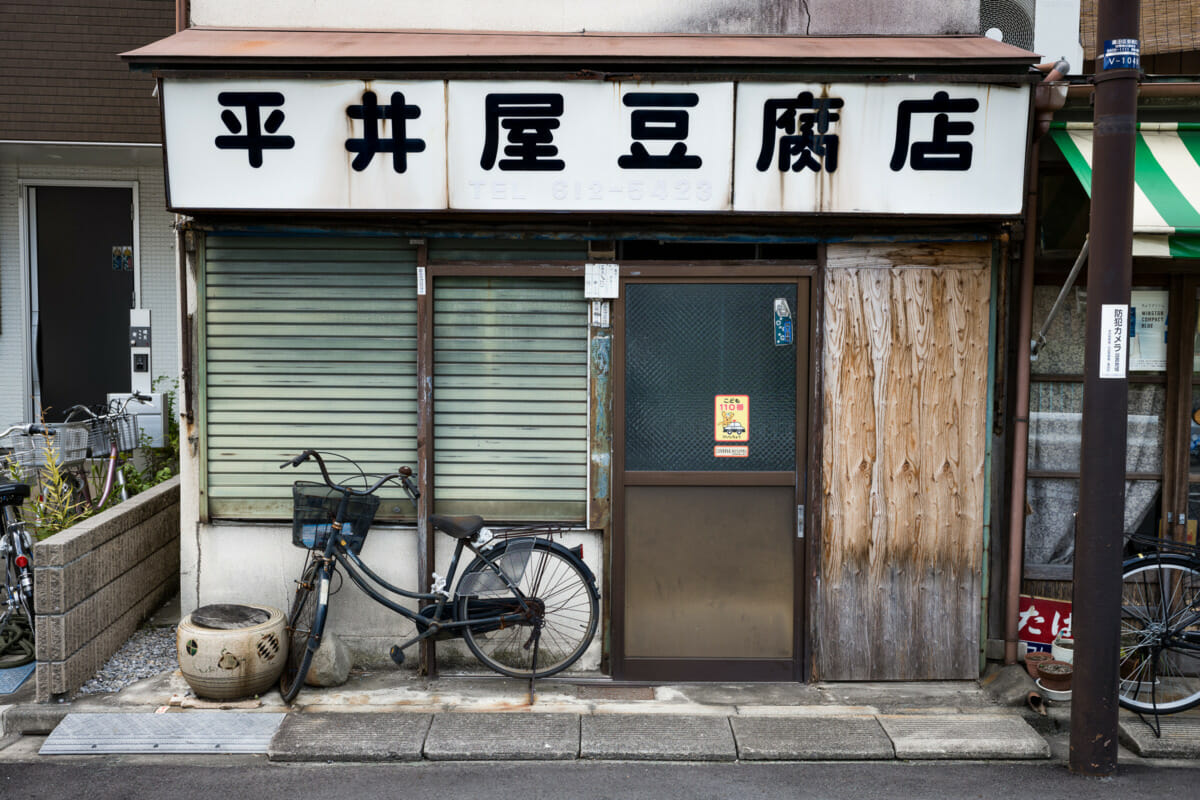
(310, 343)
(510, 377)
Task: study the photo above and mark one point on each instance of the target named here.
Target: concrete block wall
(95, 582)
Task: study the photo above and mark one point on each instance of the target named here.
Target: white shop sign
(342, 144)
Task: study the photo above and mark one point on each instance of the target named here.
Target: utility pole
(1096, 610)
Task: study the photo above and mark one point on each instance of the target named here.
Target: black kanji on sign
(253, 141)
(806, 142)
(530, 120)
(939, 153)
(660, 116)
(371, 113)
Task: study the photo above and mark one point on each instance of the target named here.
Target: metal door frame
(802, 274)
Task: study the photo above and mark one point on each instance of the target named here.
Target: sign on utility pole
(1099, 533)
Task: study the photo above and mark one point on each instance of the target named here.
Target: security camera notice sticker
(1114, 336)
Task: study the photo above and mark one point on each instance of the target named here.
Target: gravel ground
(149, 652)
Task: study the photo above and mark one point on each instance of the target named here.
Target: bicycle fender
(555, 546)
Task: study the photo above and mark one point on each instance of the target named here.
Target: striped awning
(1166, 202)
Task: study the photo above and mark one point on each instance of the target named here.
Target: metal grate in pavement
(12, 678)
(188, 732)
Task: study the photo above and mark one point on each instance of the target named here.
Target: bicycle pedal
(397, 655)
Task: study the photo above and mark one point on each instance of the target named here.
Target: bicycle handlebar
(139, 396)
(31, 429)
(404, 474)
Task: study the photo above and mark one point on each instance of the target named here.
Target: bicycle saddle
(11, 494)
(458, 527)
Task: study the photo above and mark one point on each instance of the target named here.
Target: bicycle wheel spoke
(1160, 669)
(304, 625)
(555, 585)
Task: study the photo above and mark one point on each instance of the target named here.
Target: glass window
(1055, 427)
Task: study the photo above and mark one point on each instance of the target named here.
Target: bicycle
(16, 548)
(526, 606)
(110, 433)
(1160, 628)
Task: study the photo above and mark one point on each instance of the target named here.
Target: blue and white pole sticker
(1122, 54)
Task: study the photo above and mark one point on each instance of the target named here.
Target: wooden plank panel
(933, 255)
(902, 465)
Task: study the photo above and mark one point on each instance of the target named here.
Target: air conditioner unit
(1049, 28)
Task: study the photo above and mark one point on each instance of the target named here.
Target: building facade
(723, 306)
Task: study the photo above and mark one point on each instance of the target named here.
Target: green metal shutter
(307, 343)
(510, 397)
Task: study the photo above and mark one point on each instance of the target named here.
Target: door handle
(799, 522)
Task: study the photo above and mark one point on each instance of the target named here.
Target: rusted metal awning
(225, 48)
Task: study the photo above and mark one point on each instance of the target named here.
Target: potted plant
(1055, 675)
(1033, 658)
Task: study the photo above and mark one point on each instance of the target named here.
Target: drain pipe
(1020, 456)
(1048, 98)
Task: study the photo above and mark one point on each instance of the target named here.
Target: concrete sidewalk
(393, 716)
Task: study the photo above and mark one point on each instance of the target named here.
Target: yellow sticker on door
(732, 418)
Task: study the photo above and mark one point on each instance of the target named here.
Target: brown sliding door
(711, 409)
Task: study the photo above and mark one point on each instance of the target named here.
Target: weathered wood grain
(905, 368)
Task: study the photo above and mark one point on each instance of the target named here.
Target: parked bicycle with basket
(111, 433)
(1160, 627)
(526, 606)
(16, 551)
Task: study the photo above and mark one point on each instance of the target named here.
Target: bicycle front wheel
(306, 622)
(1160, 634)
(559, 589)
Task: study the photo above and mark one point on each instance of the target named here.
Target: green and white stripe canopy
(1166, 202)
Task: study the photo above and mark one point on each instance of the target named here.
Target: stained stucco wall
(658, 16)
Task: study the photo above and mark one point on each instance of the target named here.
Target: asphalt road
(132, 778)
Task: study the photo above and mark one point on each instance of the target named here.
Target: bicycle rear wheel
(561, 590)
(306, 622)
(18, 567)
(1160, 634)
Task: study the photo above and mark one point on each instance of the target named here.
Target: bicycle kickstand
(537, 637)
(1157, 725)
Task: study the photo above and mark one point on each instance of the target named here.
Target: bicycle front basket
(121, 428)
(314, 508)
(29, 452)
